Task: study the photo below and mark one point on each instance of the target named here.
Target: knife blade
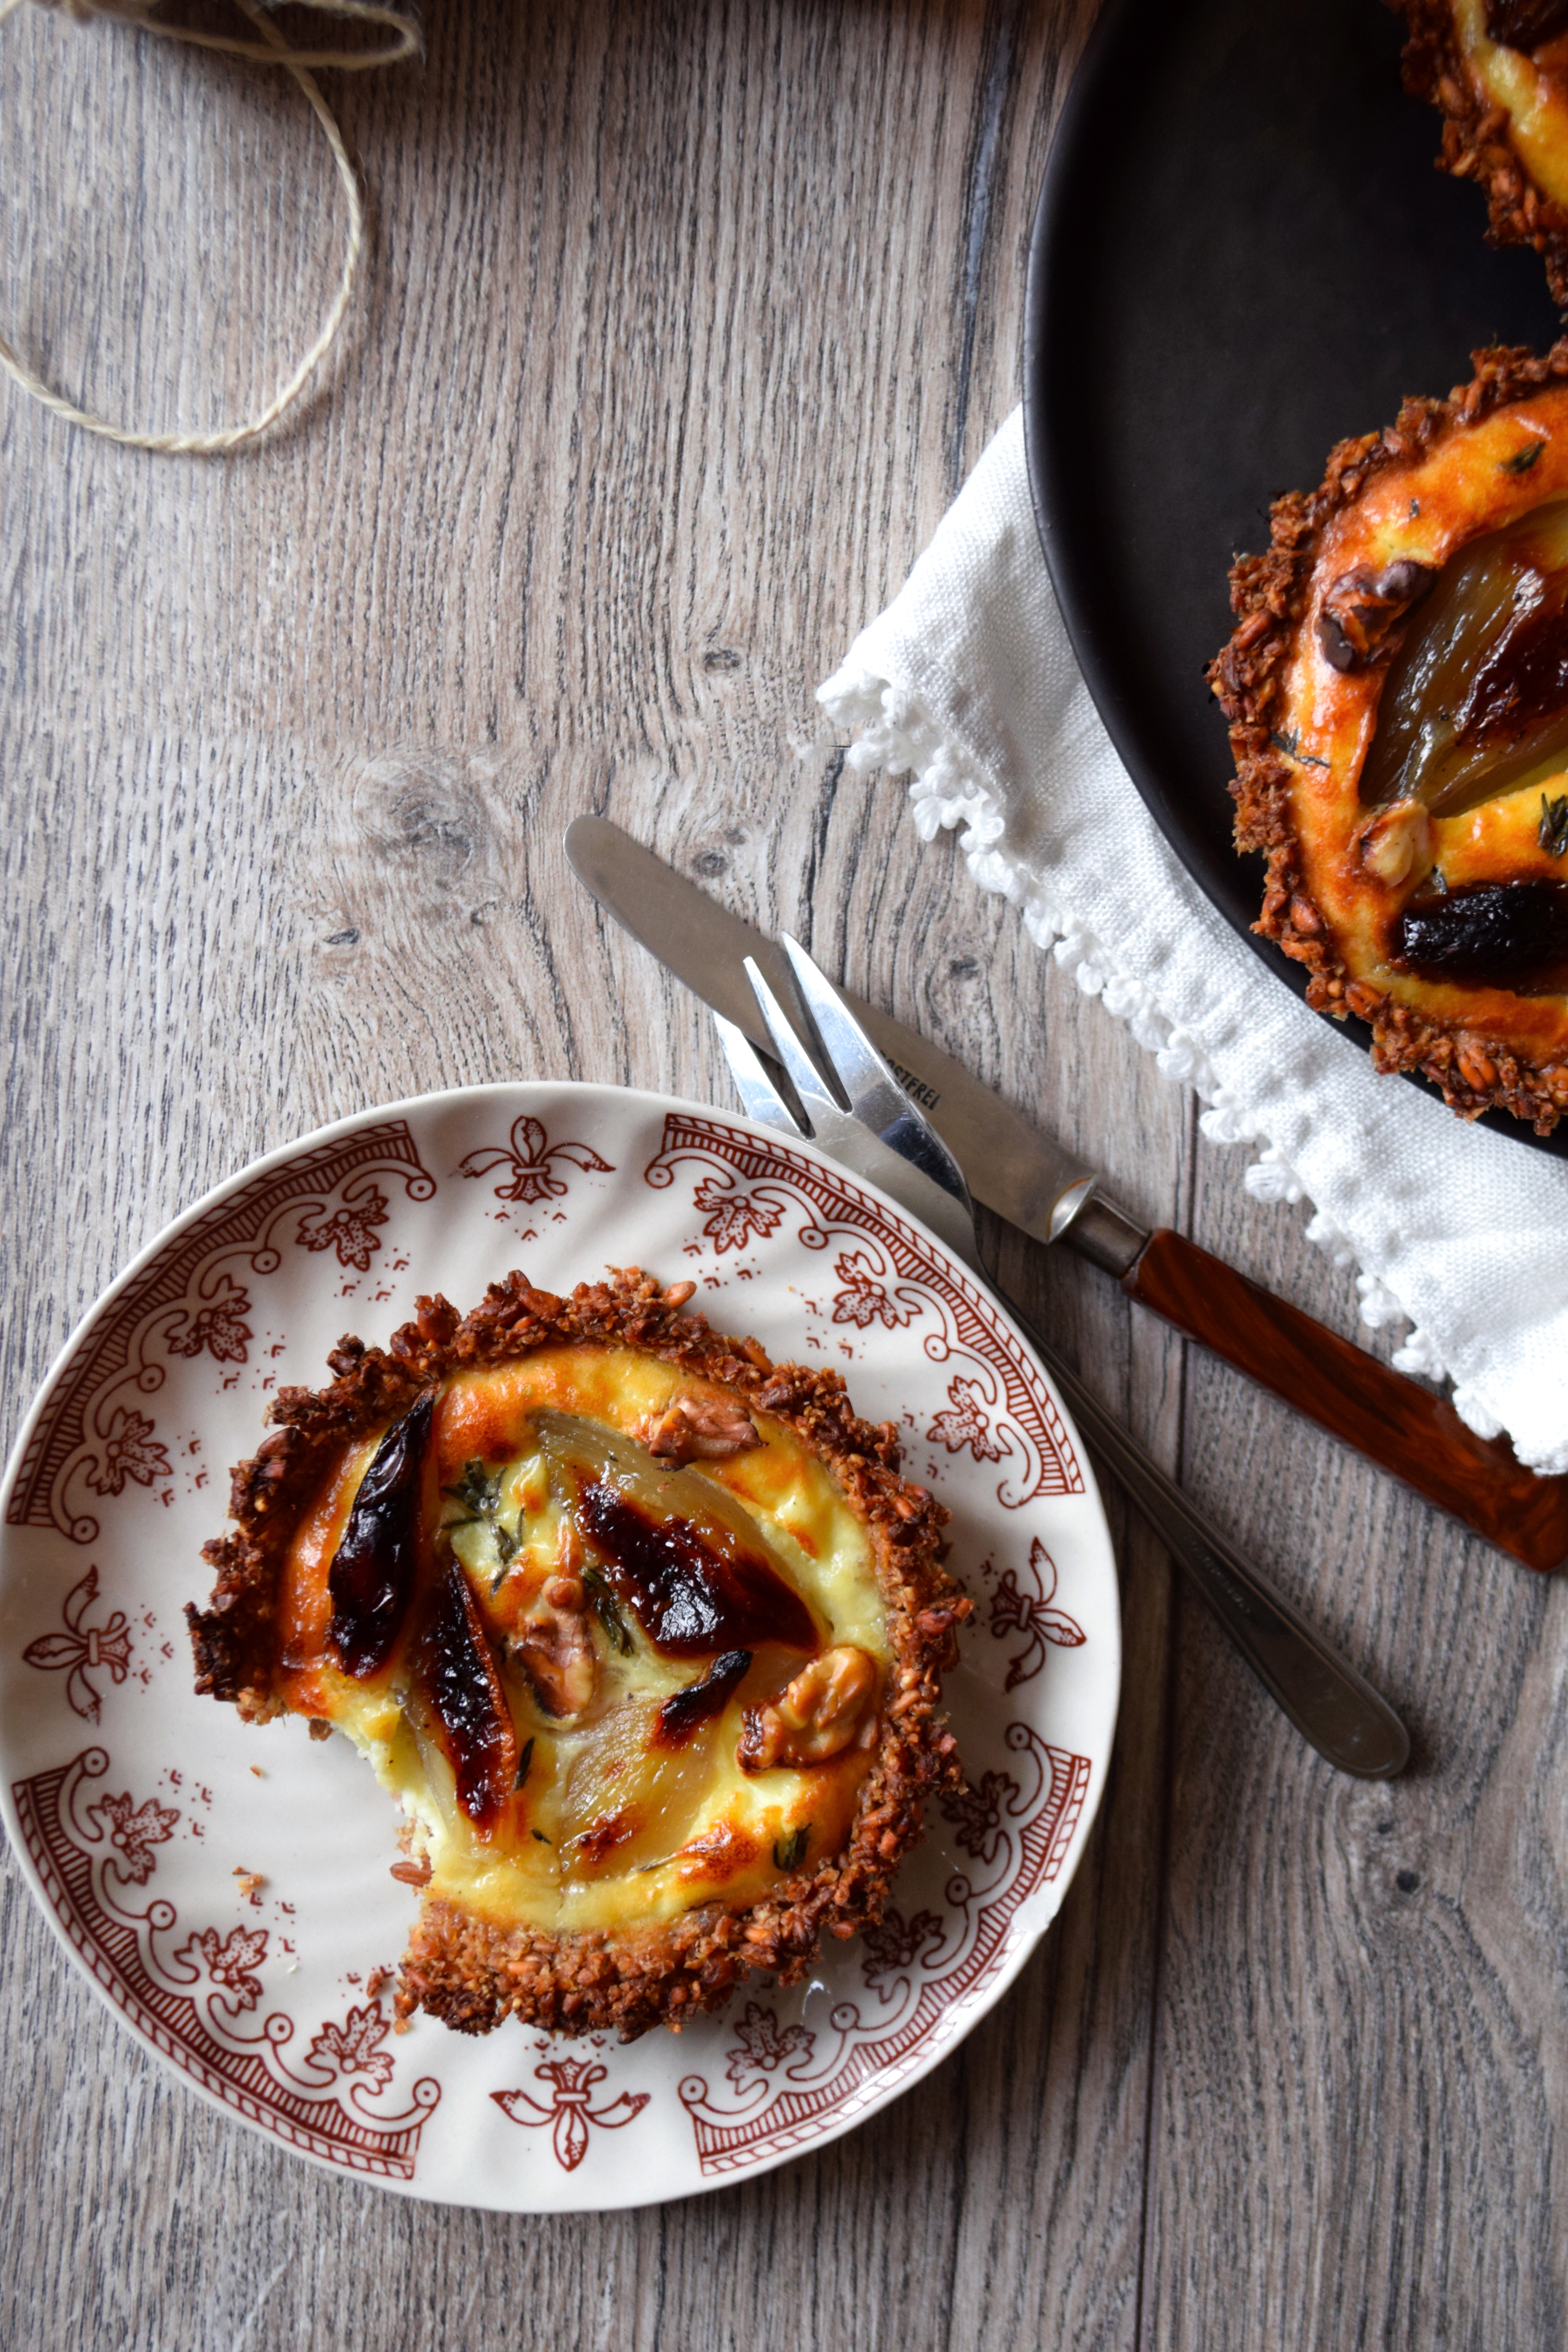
(1036, 1185)
(1011, 1166)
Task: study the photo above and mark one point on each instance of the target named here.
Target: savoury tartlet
(643, 1631)
(1398, 693)
(1497, 71)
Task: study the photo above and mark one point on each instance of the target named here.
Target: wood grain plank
(682, 323)
(1361, 2000)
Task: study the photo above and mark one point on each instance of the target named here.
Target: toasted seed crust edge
(1268, 595)
(1475, 145)
(465, 1970)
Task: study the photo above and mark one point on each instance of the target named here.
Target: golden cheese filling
(1527, 78)
(616, 1647)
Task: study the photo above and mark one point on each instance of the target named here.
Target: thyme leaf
(1439, 881)
(789, 1851)
(606, 1608)
(541, 1836)
(480, 1489)
(1552, 831)
(1288, 740)
(1522, 459)
(523, 1762)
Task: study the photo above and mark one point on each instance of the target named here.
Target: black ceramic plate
(1242, 252)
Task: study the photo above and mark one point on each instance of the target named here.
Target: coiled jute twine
(271, 49)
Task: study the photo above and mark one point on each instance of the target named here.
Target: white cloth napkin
(968, 681)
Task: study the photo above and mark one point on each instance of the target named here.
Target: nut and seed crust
(465, 1970)
(1476, 144)
(1270, 596)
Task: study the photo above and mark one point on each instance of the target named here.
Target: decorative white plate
(141, 1813)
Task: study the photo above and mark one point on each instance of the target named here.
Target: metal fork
(879, 1133)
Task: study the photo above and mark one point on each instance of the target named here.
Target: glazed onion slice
(377, 1565)
(1475, 703)
(1490, 935)
(455, 1671)
(689, 1561)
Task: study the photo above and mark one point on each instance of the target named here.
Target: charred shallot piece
(1476, 702)
(689, 1598)
(700, 1702)
(1491, 934)
(456, 1672)
(376, 1564)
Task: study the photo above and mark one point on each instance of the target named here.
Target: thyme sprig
(607, 1610)
(1288, 740)
(479, 1490)
(789, 1851)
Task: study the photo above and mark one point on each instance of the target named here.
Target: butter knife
(1037, 1185)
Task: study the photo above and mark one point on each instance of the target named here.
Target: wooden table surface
(682, 325)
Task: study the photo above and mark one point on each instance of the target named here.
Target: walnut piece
(698, 1429)
(553, 1644)
(817, 1716)
(1397, 841)
(1356, 623)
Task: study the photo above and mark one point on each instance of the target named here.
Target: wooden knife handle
(1398, 1425)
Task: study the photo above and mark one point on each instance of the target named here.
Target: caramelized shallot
(1475, 700)
(375, 1569)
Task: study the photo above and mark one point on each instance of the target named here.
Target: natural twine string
(272, 50)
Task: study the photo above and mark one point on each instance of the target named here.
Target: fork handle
(1403, 1428)
(1330, 1704)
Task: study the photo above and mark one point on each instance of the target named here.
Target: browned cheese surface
(682, 325)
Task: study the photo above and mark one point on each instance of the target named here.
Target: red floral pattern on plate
(228, 1960)
(1014, 1610)
(531, 1157)
(765, 2044)
(733, 1218)
(894, 1944)
(967, 1423)
(570, 2112)
(354, 2047)
(864, 1300)
(350, 1231)
(90, 1437)
(220, 1328)
(133, 1830)
(129, 1451)
(81, 1647)
(159, 1989)
(775, 2113)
